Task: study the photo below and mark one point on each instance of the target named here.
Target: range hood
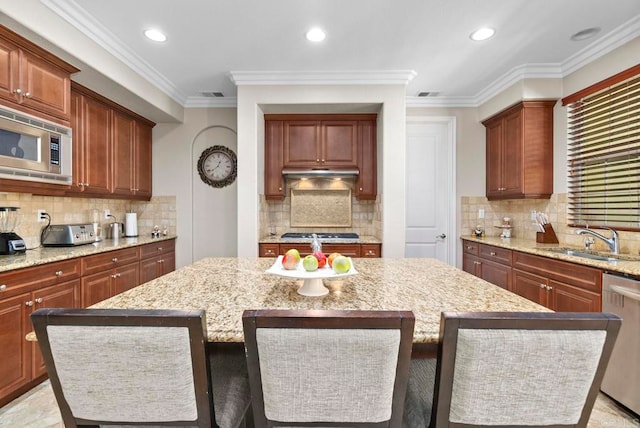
(320, 172)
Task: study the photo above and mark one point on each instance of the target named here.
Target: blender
(10, 242)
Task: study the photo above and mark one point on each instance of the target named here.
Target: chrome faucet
(613, 242)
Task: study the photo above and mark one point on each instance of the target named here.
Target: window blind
(604, 157)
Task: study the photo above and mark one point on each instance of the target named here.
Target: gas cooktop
(324, 236)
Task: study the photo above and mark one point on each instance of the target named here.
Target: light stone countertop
(42, 255)
(225, 287)
(628, 264)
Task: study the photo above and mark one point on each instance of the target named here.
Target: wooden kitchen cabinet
(349, 250)
(491, 263)
(21, 292)
(106, 274)
(320, 143)
(519, 151)
(370, 250)
(559, 285)
(33, 80)
(366, 184)
(112, 148)
(268, 250)
(157, 259)
(274, 185)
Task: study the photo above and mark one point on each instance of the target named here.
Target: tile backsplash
(161, 211)
(519, 211)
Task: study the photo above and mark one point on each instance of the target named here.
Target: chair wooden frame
(327, 319)
(194, 321)
(451, 323)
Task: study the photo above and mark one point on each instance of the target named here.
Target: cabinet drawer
(496, 254)
(349, 250)
(370, 250)
(584, 277)
(156, 248)
(268, 250)
(28, 279)
(109, 260)
(470, 247)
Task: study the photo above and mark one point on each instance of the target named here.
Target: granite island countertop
(42, 255)
(225, 287)
(627, 264)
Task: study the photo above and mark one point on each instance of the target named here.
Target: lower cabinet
(157, 259)
(349, 250)
(102, 285)
(493, 264)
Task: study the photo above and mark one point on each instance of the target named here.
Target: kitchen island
(225, 287)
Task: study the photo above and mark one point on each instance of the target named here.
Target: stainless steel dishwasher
(621, 296)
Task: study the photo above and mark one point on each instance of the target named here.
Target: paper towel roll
(131, 224)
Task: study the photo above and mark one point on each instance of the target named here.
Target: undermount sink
(593, 256)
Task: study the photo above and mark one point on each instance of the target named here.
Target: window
(604, 153)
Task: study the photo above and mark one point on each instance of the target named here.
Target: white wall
(390, 148)
(206, 218)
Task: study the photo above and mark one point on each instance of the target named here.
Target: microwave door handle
(626, 292)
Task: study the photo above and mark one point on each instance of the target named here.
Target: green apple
(294, 252)
(291, 259)
(310, 263)
(341, 264)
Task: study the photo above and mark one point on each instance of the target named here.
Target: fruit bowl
(312, 281)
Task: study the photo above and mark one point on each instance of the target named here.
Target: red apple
(322, 259)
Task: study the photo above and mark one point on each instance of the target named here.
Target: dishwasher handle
(626, 292)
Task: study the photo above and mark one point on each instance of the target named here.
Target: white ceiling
(207, 39)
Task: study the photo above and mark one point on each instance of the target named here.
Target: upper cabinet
(33, 80)
(320, 141)
(111, 148)
(519, 160)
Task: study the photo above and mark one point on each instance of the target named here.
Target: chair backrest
(521, 369)
(127, 366)
(338, 368)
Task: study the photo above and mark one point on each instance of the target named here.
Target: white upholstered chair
(138, 368)
(520, 369)
(328, 368)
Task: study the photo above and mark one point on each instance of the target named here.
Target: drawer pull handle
(493, 253)
(160, 248)
(115, 259)
(469, 247)
(59, 273)
(3, 287)
(29, 303)
(39, 300)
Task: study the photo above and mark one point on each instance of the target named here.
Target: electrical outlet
(481, 213)
(533, 214)
(107, 213)
(41, 216)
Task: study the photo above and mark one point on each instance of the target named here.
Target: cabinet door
(530, 286)
(149, 269)
(96, 288)
(45, 87)
(339, 143)
(494, 158)
(15, 369)
(367, 187)
(125, 278)
(9, 69)
(470, 264)
(142, 165)
(168, 263)
(512, 155)
(78, 154)
(349, 250)
(65, 295)
(301, 143)
(566, 298)
(274, 186)
(123, 153)
(496, 273)
(96, 124)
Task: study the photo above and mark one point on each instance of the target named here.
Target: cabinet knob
(318, 160)
(160, 248)
(361, 189)
(115, 259)
(59, 273)
(27, 94)
(549, 288)
(3, 287)
(469, 247)
(477, 263)
(29, 303)
(39, 300)
(279, 188)
(493, 253)
(371, 252)
(543, 286)
(17, 91)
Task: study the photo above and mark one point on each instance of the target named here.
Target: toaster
(68, 235)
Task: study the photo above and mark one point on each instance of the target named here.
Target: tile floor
(38, 409)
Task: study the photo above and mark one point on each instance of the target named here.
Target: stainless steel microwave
(34, 149)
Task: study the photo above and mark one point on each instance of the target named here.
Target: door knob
(441, 236)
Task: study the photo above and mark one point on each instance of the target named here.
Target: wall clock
(218, 166)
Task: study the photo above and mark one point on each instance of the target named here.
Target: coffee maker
(10, 242)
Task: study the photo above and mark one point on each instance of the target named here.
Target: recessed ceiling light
(315, 35)
(482, 34)
(585, 34)
(155, 35)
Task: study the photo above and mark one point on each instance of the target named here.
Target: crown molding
(210, 102)
(412, 101)
(75, 15)
(356, 77)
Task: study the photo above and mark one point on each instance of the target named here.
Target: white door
(430, 193)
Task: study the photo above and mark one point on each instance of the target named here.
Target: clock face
(217, 166)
